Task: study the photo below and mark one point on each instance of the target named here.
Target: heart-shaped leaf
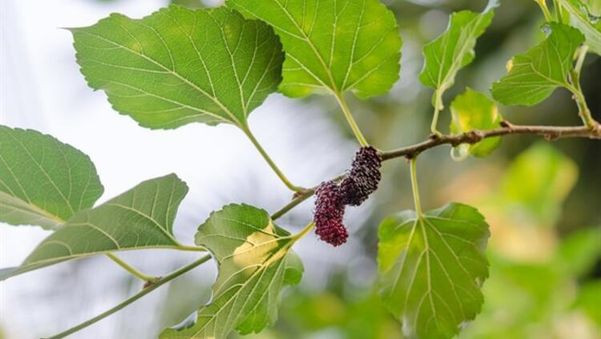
(42, 180)
(533, 76)
(332, 46)
(255, 262)
(431, 268)
(140, 218)
(178, 65)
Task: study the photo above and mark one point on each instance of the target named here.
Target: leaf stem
(133, 271)
(543, 6)
(134, 297)
(190, 248)
(576, 89)
(580, 59)
(270, 162)
(438, 107)
(415, 188)
(299, 198)
(558, 11)
(349, 118)
(304, 231)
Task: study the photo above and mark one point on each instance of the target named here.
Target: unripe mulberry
(363, 178)
(329, 214)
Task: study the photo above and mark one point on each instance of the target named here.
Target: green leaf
(179, 66)
(454, 49)
(140, 218)
(583, 19)
(431, 268)
(255, 263)
(332, 46)
(473, 110)
(533, 76)
(42, 180)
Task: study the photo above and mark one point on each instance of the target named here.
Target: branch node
(596, 129)
(434, 136)
(300, 193)
(506, 124)
(152, 282)
(474, 136)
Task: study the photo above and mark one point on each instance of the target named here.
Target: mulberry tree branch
(471, 137)
(550, 133)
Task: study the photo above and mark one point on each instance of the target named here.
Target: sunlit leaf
(178, 65)
(473, 110)
(431, 268)
(582, 17)
(332, 46)
(255, 263)
(42, 180)
(454, 49)
(533, 76)
(137, 219)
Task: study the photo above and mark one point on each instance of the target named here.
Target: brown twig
(550, 133)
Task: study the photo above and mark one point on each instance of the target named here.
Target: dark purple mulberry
(329, 214)
(363, 178)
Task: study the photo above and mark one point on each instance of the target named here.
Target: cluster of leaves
(213, 66)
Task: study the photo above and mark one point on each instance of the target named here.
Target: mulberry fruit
(329, 214)
(363, 178)
(361, 181)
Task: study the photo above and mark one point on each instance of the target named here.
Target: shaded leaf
(42, 180)
(473, 110)
(533, 76)
(454, 49)
(332, 46)
(582, 18)
(255, 263)
(178, 65)
(140, 218)
(431, 268)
